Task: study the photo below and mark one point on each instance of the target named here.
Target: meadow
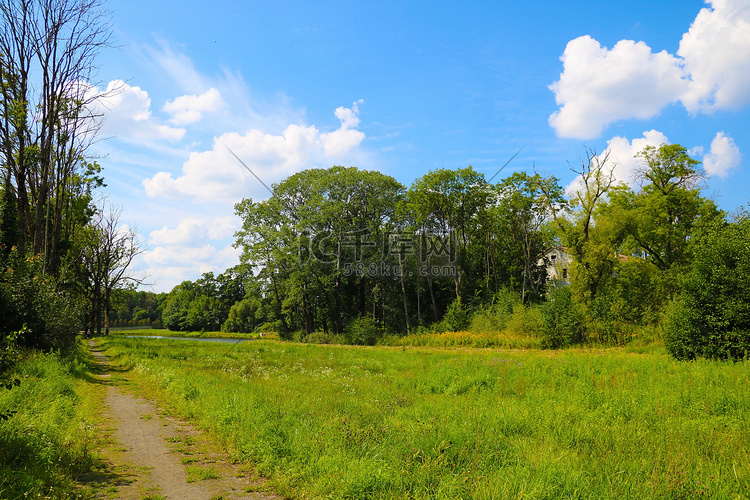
(417, 422)
(49, 443)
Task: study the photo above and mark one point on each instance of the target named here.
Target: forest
(353, 256)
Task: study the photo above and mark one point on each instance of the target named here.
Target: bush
(563, 319)
(456, 318)
(495, 317)
(31, 299)
(526, 321)
(242, 316)
(711, 318)
(363, 331)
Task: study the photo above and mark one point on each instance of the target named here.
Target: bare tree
(106, 258)
(47, 65)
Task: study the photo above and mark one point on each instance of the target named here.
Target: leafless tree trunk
(109, 254)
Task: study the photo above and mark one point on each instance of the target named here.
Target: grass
(196, 473)
(49, 441)
(145, 332)
(345, 422)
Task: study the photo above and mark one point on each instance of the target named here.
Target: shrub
(242, 316)
(563, 319)
(456, 318)
(526, 321)
(495, 317)
(32, 299)
(711, 318)
(363, 331)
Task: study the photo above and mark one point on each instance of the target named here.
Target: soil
(152, 455)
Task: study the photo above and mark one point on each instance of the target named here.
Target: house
(558, 263)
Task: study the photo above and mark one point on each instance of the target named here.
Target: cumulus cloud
(168, 266)
(217, 175)
(723, 157)
(190, 108)
(127, 114)
(344, 139)
(599, 86)
(621, 157)
(192, 232)
(716, 54)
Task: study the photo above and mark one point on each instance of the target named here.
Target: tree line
(63, 250)
(344, 250)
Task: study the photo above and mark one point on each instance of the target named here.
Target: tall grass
(343, 422)
(50, 439)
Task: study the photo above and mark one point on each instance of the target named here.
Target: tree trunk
(403, 292)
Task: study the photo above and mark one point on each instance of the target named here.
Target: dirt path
(156, 456)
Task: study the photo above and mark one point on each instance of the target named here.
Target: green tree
(308, 239)
(593, 246)
(522, 215)
(661, 217)
(446, 204)
(711, 318)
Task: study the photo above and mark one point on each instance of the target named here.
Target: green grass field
(49, 444)
(345, 422)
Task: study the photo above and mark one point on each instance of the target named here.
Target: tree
(446, 204)
(662, 215)
(711, 318)
(310, 237)
(108, 253)
(593, 247)
(47, 54)
(522, 212)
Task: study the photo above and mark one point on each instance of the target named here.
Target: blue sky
(403, 88)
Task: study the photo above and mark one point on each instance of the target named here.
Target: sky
(402, 88)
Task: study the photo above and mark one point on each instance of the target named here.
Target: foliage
(49, 442)
(9, 355)
(363, 331)
(711, 318)
(206, 303)
(243, 316)
(526, 321)
(136, 307)
(33, 301)
(564, 319)
(456, 317)
(321, 244)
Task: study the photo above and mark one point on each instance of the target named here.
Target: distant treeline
(354, 255)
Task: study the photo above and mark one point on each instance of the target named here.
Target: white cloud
(344, 139)
(723, 157)
(622, 158)
(599, 86)
(716, 53)
(169, 266)
(193, 232)
(217, 175)
(127, 115)
(190, 108)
